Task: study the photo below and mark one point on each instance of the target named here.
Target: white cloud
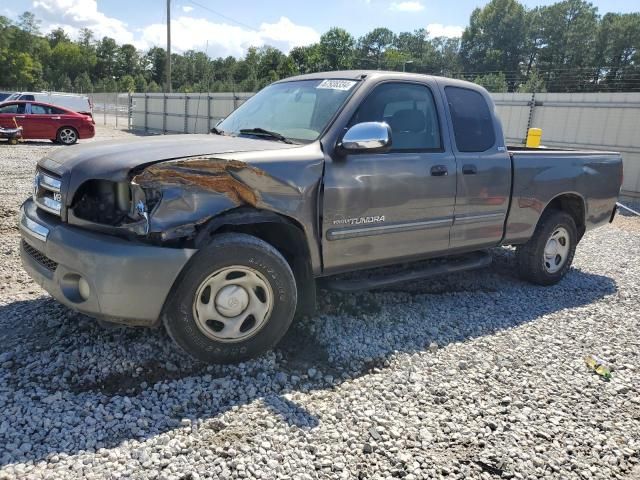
(440, 30)
(72, 15)
(224, 39)
(410, 6)
(187, 32)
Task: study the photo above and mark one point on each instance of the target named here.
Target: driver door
(382, 207)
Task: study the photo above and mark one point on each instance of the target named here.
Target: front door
(381, 207)
(12, 114)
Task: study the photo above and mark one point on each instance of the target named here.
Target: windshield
(298, 110)
(13, 96)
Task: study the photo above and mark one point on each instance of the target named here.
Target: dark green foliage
(565, 46)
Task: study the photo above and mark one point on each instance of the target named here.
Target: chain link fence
(112, 109)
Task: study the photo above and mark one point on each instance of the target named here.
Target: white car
(70, 101)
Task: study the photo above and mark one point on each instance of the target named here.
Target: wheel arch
(572, 203)
(285, 234)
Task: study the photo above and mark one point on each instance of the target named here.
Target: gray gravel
(476, 375)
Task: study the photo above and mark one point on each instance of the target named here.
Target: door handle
(439, 170)
(55, 118)
(469, 169)
(20, 116)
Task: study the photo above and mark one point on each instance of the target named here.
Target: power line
(226, 17)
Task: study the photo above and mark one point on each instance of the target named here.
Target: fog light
(75, 288)
(83, 288)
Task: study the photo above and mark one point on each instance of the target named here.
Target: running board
(470, 261)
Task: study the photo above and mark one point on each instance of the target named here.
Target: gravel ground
(476, 375)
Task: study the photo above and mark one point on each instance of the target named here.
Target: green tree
(127, 61)
(534, 83)
(494, 82)
(417, 48)
(67, 59)
(141, 83)
(336, 49)
(153, 87)
(106, 56)
(58, 36)
(127, 84)
(568, 39)
(155, 61)
(617, 50)
(25, 71)
(371, 47)
(494, 40)
(82, 83)
(306, 59)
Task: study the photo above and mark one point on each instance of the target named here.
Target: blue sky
(229, 27)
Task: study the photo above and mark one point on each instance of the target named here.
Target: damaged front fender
(195, 190)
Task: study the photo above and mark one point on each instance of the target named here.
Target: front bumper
(126, 281)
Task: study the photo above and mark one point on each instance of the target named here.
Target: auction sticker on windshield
(337, 84)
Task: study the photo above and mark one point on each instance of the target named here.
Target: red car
(41, 120)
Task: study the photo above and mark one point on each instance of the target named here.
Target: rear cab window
(471, 118)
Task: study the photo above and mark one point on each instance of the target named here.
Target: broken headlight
(113, 203)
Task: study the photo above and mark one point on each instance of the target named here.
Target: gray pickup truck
(222, 237)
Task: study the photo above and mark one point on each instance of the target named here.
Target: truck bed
(590, 178)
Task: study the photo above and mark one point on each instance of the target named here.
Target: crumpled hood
(114, 159)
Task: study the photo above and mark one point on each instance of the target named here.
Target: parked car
(4, 96)
(69, 101)
(43, 121)
(222, 237)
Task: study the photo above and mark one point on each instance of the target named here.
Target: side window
(27, 98)
(40, 109)
(410, 111)
(471, 118)
(11, 108)
(56, 111)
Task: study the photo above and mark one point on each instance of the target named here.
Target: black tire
(230, 250)
(532, 263)
(67, 136)
(54, 140)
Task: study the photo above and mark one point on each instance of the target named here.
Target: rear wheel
(67, 136)
(235, 300)
(547, 256)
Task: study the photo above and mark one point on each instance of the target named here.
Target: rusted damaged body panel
(194, 190)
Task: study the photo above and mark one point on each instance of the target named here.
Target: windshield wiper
(261, 132)
(218, 132)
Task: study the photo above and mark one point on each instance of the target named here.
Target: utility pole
(168, 46)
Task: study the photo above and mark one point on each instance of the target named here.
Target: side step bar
(470, 261)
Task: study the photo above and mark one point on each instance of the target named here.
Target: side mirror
(366, 137)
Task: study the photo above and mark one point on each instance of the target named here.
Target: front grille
(46, 192)
(39, 257)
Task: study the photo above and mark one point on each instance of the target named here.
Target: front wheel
(67, 136)
(548, 254)
(235, 300)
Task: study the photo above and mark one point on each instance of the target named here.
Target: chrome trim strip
(50, 183)
(49, 205)
(381, 229)
(464, 219)
(33, 228)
